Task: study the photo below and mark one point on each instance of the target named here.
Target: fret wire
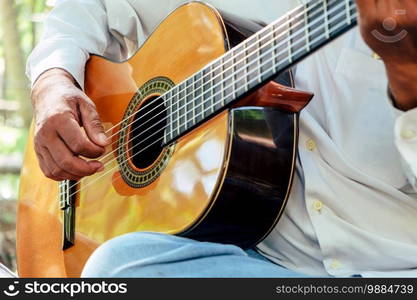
(185, 102)
(289, 40)
(258, 54)
(306, 28)
(189, 101)
(206, 92)
(326, 19)
(178, 112)
(214, 87)
(202, 95)
(170, 111)
(211, 86)
(194, 100)
(223, 103)
(347, 2)
(247, 64)
(199, 96)
(138, 152)
(233, 74)
(173, 105)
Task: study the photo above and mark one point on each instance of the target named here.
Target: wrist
(402, 85)
(49, 79)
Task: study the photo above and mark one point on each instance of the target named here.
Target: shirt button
(317, 205)
(408, 134)
(335, 264)
(310, 144)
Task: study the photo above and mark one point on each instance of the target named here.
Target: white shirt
(352, 209)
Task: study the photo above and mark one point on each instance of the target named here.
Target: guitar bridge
(67, 192)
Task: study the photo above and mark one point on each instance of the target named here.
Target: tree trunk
(17, 86)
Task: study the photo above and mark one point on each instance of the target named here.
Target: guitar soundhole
(147, 132)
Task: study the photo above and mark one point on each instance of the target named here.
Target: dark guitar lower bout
(258, 180)
(261, 167)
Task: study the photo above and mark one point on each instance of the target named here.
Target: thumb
(92, 124)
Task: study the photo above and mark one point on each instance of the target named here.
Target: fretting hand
(389, 27)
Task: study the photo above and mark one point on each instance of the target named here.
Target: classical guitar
(204, 125)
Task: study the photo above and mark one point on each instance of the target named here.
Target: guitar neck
(254, 62)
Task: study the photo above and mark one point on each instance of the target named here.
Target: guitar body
(226, 180)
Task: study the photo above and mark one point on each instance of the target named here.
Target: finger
(70, 163)
(77, 141)
(54, 171)
(42, 164)
(92, 124)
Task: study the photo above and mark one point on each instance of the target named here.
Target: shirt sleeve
(74, 29)
(406, 141)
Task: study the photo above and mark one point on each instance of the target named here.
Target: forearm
(48, 79)
(74, 29)
(391, 19)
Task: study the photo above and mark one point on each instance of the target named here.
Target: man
(353, 207)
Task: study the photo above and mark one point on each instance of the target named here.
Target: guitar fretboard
(254, 62)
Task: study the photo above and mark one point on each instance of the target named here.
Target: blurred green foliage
(12, 140)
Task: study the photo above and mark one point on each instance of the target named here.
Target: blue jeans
(144, 254)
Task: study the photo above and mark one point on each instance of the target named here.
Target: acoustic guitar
(204, 124)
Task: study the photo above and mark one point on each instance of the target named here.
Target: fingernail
(102, 138)
(97, 165)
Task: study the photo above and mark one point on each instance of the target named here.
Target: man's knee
(122, 249)
(136, 254)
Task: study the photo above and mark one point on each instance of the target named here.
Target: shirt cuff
(398, 112)
(57, 54)
(406, 142)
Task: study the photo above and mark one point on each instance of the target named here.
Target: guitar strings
(200, 105)
(273, 49)
(231, 58)
(210, 89)
(124, 162)
(209, 99)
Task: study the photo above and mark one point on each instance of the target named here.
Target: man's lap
(144, 254)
